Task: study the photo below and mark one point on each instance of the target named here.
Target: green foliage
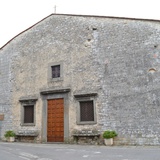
(9, 134)
(109, 134)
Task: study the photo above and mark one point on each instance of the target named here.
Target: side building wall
(6, 117)
(130, 68)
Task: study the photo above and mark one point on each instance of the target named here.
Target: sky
(18, 15)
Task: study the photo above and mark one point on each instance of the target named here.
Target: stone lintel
(27, 99)
(85, 95)
(54, 91)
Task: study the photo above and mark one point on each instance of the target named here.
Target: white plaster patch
(85, 156)
(119, 156)
(44, 159)
(24, 158)
(28, 155)
(97, 152)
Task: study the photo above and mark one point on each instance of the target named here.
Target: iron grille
(55, 71)
(86, 111)
(29, 114)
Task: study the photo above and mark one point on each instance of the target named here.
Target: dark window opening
(29, 114)
(55, 71)
(86, 111)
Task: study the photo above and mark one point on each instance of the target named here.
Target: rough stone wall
(116, 58)
(130, 80)
(5, 92)
(51, 42)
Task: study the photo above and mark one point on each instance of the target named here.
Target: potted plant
(10, 136)
(108, 137)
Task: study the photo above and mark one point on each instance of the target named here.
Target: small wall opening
(94, 28)
(152, 70)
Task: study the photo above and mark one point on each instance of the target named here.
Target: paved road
(28, 151)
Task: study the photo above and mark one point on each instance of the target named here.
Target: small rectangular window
(55, 71)
(86, 111)
(29, 114)
(28, 110)
(86, 108)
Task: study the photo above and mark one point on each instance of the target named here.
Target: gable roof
(74, 15)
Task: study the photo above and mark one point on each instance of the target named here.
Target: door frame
(45, 98)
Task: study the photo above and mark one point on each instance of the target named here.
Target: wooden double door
(55, 120)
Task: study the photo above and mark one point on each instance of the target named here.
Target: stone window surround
(28, 102)
(81, 98)
(50, 79)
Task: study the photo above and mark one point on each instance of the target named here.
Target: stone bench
(33, 133)
(86, 136)
(26, 135)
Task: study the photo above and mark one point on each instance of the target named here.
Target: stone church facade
(70, 74)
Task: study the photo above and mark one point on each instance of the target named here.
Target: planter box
(108, 142)
(11, 139)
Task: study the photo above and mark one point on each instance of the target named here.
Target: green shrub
(109, 134)
(9, 134)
